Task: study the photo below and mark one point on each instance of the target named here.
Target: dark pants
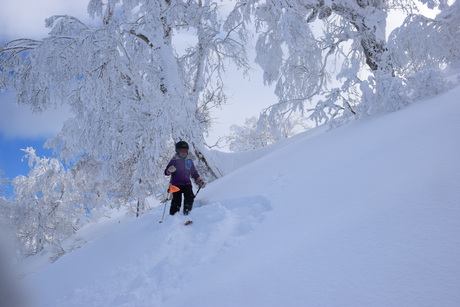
(177, 199)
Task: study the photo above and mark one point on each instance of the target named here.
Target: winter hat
(181, 145)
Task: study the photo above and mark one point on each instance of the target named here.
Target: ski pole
(164, 210)
(197, 192)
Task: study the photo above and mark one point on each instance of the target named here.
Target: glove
(200, 182)
(171, 169)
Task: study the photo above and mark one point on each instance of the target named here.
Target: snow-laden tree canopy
(335, 54)
(131, 93)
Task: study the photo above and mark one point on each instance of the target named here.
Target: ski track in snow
(158, 261)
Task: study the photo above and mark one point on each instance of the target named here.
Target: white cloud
(26, 18)
(19, 122)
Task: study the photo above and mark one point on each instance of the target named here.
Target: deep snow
(367, 214)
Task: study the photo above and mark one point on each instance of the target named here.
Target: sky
(20, 128)
(370, 217)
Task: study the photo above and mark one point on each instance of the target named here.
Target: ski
(188, 222)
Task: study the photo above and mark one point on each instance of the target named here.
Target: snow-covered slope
(363, 215)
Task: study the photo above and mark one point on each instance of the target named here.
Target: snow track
(152, 257)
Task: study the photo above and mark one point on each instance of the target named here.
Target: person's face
(183, 152)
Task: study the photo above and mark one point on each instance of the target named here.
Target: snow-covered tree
(254, 135)
(5, 205)
(132, 87)
(424, 43)
(422, 47)
(250, 136)
(302, 45)
(3, 182)
(45, 211)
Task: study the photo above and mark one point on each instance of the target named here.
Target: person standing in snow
(181, 169)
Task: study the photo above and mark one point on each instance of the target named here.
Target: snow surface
(367, 214)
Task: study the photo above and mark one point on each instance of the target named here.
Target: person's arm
(170, 168)
(194, 172)
(198, 180)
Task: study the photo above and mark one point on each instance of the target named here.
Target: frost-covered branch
(299, 59)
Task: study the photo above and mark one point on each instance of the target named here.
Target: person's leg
(175, 202)
(188, 199)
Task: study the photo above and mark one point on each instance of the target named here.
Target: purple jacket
(184, 170)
